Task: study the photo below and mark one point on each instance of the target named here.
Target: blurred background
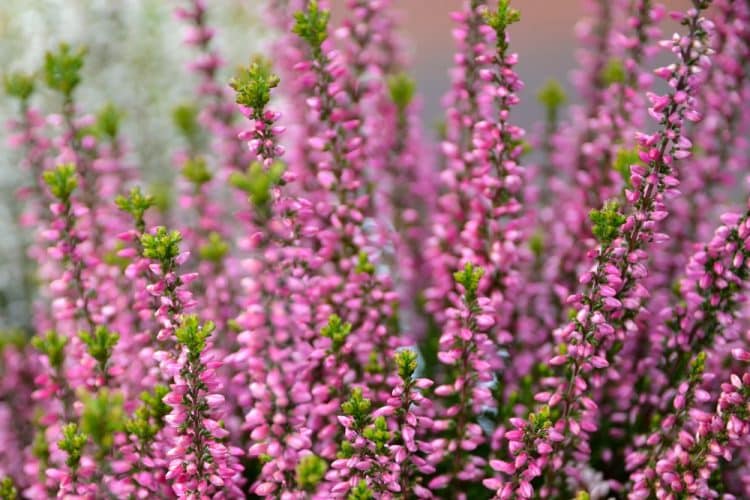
(136, 61)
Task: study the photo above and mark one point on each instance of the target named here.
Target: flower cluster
(343, 308)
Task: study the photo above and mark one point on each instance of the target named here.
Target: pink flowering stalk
(687, 467)
(612, 284)
(343, 204)
(382, 452)
(713, 291)
(466, 347)
(719, 145)
(200, 464)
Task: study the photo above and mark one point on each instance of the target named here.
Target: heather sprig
(100, 344)
(72, 442)
(8, 490)
(253, 85)
(312, 26)
(62, 69)
(136, 203)
(19, 85)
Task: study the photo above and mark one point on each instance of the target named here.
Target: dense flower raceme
(342, 308)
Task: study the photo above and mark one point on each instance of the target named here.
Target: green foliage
(552, 97)
(310, 472)
(193, 335)
(697, 367)
(257, 182)
(582, 495)
(162, 246)
(469, 278)
(540, 421)
(402, 88)
(373, 363)
(253, 84)
(406, 363)
(15, 338)
(161, 192)
(148, 418)
(196, 171)
(62, 69)
(606, 222)
(357, 407)
(536, 244)
(51, 345)
(361, 492)
(312, 25)
(337, 331)
(72, 442)
(8, 490)
(40, 447)
(499, 20)
(100, 345)
(613, 72)
(108, 121)
(101, 418)
(363, 263)
(623, 160)
(136, 204)
(378, 433)
(61, 181)
(185, 118)
(19, 85)
(215, 249)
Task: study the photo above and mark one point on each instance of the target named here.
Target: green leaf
(72, 442)
(469, 278)
(357, 407)
(162, 246)
(361, 492)
(185, 118)
(136, 204)
(552, 96)
(102, 418)
(312, 25)
(61, 181)
(8, 490)
(606, 222)
(19, 85)
(310, 472)
(337, 331)
(148, 418)
(253, 85)
(215, 249)
(378, 433)
(62, 69)
(108, 121)
(406, 363)
(51, 345)
(500, 19)
(192, 334)
(196, 171)
(162, 195)
(257, 182)
(363, 263)
(613, 72)
(536, 243)
(624, 159)
(402, 89)
(100, 345)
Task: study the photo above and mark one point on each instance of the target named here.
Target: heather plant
(339, 306)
